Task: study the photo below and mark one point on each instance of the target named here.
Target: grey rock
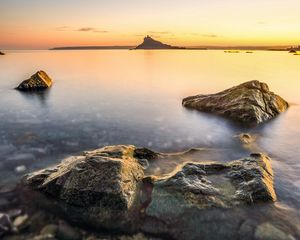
(20, 169)
(38, 81)
(100, 184)
(5, 224)
(250, 103)
(267, 231)
(106, 188)
(212, 185)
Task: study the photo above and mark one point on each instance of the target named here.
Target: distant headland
(91, 47)
(152, 44)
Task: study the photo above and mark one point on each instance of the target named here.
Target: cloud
(86, 29)
(261, 22)
(164, 32)
(62, 28)
(208, 35)
(91, 29)
(101, 31)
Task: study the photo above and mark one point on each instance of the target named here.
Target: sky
(43, 24)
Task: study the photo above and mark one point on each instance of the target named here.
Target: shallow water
(134, 97)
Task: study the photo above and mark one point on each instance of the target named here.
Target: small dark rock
(144, 153)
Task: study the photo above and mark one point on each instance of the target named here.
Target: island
(150, 43)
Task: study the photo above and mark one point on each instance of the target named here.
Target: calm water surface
(134, 97)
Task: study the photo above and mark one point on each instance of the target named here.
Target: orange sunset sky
(42, 24)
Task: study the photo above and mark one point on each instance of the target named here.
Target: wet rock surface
(110, 188)
(98, 188)
(250, 103)
(38, 81)
(211, 185)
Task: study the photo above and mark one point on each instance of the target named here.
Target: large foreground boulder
(114, 188)
(38, 81)
(250, 103)
(98, 188)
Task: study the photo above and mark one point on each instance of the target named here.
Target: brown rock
(38, 81)
(250, 103)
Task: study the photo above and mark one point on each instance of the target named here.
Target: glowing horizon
(36, 24)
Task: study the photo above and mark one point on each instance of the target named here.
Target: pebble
(67, 232)
(21, 222)
(20, 169)
(50, 229)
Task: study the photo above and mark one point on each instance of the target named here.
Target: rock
(267, 231)
(150, 43)
(21, 222)
(2, 53)
(50, 229)
(249, 142)
(44, 237)
(97, 188)
(66, 232)
(246, 138)
(250, 103)
(106, 189)
(20, 169)
(5, 224)
(213, 185)
(138, 236)
(144, 153)
(38, 81)
(39, 219)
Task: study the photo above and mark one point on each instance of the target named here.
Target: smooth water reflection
(134, 97)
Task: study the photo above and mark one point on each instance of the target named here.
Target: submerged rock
(250, 103)
(38, 81)
(267, 231)
(213, 185)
